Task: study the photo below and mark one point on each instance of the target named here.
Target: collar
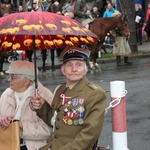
(77, 87)
(72, 85)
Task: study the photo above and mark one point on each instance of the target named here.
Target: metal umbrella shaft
(35, 66)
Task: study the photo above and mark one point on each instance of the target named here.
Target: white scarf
(20, 100)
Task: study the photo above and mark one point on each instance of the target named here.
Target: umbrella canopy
(41, 30)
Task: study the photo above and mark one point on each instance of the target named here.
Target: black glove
(85, 15)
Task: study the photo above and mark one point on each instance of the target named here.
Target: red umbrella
(41, 30)
(49, 30)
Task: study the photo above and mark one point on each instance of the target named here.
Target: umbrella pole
(35, 67)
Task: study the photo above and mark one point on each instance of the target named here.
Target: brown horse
(101, 26)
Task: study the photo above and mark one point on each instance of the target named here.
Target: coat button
(58, 119)
(57, 128)
(55, 136)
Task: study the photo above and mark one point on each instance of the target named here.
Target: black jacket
(142, 15)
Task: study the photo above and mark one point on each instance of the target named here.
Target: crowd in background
(95, 9)
(80, 11)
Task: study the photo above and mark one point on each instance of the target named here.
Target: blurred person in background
(139, 21)
(147, 21)
(109, 10)
(20, 8)
(80, 12)
(121, 46)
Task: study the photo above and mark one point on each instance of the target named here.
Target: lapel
(12, 100)
(57, 101)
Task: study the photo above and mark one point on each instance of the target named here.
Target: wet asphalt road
(137, 82)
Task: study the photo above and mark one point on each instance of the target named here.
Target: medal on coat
(70, 114)
(69, 102)
(65, 120)
(76, 122)
(81, 109)
(81, 101)
(70, 122)
(80, 121)
(65, 113)
(76, 115)
(75, 102)
(66, 110)
(74, 111)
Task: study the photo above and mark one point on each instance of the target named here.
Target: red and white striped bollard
(119, 127)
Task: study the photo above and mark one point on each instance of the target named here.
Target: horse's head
(123, 26)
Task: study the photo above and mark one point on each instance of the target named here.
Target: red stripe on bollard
(119, 116)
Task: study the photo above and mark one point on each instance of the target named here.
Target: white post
(119, 128)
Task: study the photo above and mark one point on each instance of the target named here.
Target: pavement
(143, 51)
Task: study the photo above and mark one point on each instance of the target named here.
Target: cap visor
(9, 72)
